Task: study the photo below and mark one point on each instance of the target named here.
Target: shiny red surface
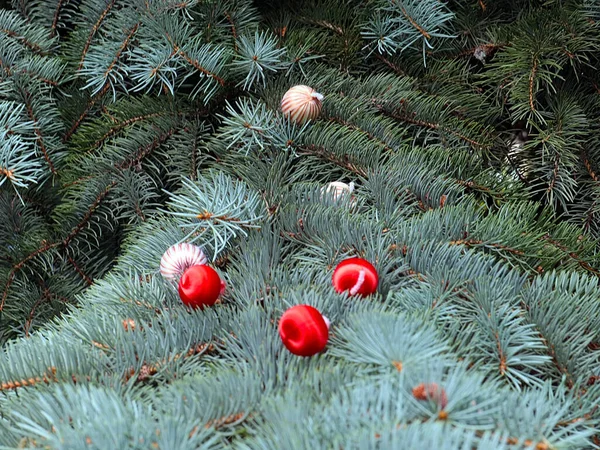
(303, 330)
(346, 276)
(200, 286)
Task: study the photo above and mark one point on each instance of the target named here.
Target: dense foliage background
(470, 129)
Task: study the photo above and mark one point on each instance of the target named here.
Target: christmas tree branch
(107, 83)
(64, 243)
(573, 255)
(38, 132)
(194, 62)
(93, 31)
(412, 21)
(355, 127)
(78, 269)
(323, 153)
(30, 45)
(48, 378)
(20, 265)
(46, 296)
(437, 126)
(391, 65)
(56, 16)
(90, 104)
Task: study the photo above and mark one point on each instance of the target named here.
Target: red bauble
(200, 286)
(431, 391)
(303, 330)
(356, 275)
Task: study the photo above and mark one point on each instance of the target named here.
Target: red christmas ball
(200, 286)
(303, 330)
(431, 391)
(356, 275)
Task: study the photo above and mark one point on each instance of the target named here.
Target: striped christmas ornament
(178, 258)
(301, 103)
(356, 276)
(337, 189)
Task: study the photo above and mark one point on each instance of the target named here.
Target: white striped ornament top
(180, 257)
(337, 189)
(302, 103)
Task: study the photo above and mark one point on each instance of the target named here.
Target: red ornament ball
(200, 286)
(356, 275)
(303, 330)
(431, 391)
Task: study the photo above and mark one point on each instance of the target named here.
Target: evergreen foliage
(469, 129)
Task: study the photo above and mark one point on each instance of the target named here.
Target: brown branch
(206, 215)
(473, 242)
(563, 370)
(531, 78)
(114, 130)
(86, 111)
(30, 45)
(119, 126)
(121, 49)
(88, 215)
(59, 5)
(330, 26)
(106, 86)
(47, 295)
(369, 136)
(589, 168)
(44, 80)
(94, 30)
(46, 246)
(49, 377)
(233, 30)
(9, 72)
(78, 269)
(38, 133)
(195, 62)
(154, 71)
(437, 126)
(194, 157)
(46, 378)
(78, 181)
(472, 185)
(573, 255)
(554, 173)
(145, 151)
(501, 355)
(6, 68)
(415, 24)
(217, 423)
(29, 320)
(391, 65)
(20, 265)
(340, 161)
(22, 8)
(148, 370)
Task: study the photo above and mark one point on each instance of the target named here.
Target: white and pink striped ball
(180, 257)
(302, 103)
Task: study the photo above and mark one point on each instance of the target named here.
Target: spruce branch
(218, 205)
(110, 4)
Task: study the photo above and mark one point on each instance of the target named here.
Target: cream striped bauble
(178, 258)
(301, 103)
(337, 189)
